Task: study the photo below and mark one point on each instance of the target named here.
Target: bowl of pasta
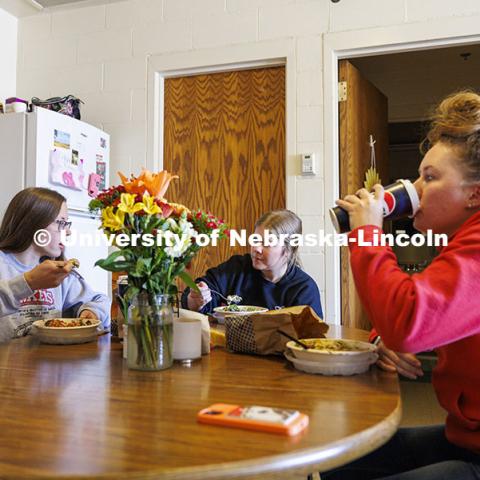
(64, 331)
(329, 356)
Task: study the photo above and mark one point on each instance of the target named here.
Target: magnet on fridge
(62, 172)
(94, 181)
(100, 167)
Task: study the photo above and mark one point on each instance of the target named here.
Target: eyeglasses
(62, 224)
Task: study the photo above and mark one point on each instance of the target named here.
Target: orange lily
(135, 185)
(156, 184)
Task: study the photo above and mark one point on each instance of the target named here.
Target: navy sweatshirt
(238, 277)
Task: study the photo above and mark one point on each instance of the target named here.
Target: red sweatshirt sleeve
(427, 310)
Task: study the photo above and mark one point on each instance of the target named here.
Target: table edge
(304, 461)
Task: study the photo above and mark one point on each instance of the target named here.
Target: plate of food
(65, 331)
(238, 310)
(329, 356)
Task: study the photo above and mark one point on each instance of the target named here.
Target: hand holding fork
(197, 301)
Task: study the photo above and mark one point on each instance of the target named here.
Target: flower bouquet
(156, 240)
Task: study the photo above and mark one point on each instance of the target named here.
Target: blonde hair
(456, 122)
(283, 222)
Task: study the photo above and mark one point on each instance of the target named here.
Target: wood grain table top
(77, 411)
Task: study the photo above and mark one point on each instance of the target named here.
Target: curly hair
(456, 122)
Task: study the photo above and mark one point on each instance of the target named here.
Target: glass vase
(150, 332)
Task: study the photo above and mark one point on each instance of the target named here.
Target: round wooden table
(78, 411)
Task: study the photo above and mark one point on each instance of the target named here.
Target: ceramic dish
(66, 335)
(243, 310)
(337, 348)
(333, 364)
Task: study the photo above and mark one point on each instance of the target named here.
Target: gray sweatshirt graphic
(19, 303)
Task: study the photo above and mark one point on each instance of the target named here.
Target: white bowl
(332, 366)
(66, 335)
(244, 311)
(357, 350)
(332, 362)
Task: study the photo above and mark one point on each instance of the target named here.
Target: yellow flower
(149, 206)
(113, 221)
(127, 203)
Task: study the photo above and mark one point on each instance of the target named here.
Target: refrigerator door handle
(83, 212)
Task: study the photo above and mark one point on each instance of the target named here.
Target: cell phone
(255, 417)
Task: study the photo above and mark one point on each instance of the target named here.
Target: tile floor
(420, 405)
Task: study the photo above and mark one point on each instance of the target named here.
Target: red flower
(211, 225)
(166, 209)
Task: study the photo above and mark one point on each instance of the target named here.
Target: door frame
(222, 59)
(361, 43)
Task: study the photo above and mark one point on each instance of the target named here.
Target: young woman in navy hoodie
(270, 276)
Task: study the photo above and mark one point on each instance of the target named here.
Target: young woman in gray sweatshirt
(35, 281)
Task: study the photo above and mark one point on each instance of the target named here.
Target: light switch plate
(308, 164)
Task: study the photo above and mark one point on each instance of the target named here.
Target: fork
(229, 298)
(73, 271)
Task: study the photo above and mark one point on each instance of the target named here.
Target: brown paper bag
(258, 333)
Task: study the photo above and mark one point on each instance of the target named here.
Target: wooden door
(225, 137)
(364, 112)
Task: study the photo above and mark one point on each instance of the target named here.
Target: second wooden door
(224, 136)
(363, 111)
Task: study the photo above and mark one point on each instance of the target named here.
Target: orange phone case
(223, 414)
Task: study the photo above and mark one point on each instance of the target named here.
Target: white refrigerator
(47, 149)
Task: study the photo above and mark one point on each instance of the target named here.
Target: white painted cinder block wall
(100, 54)
(8, 55)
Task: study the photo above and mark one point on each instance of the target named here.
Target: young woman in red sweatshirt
(438, 308)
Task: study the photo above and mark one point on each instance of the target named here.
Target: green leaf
(188, 280)
(148, 263)
(123, 307)
(130, 293)
(140, 266)
(104, 263)
(114, 267)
